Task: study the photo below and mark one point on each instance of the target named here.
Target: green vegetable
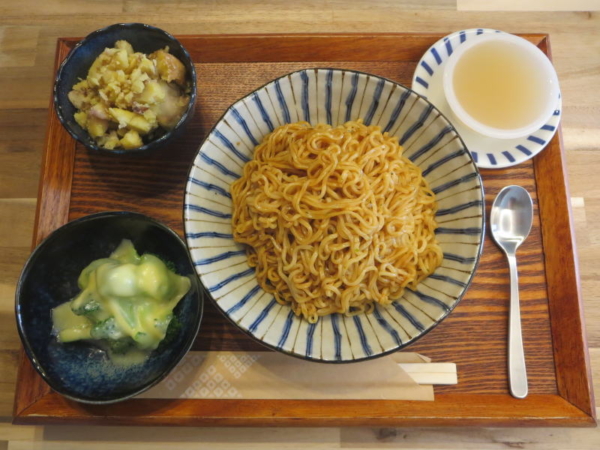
(173, 331)
(121, 346)
(126, 301)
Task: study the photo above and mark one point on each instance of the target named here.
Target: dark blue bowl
(143, 38)
(80, 370)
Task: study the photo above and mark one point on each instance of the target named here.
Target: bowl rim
(27, 267)
(152, 145)
(403, 345)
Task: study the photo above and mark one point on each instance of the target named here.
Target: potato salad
(129, 98)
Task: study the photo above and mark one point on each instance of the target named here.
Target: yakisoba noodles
(335, 219)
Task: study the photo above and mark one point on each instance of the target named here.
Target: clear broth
(499, 85)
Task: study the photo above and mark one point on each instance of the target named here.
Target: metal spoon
(510, 221)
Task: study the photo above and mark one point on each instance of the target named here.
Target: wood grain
(447, 410)
(562, 276)
(155, 186)
(78, 182)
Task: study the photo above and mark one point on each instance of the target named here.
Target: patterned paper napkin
(271, 375)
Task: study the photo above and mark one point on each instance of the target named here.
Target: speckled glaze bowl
(144, 38)
(80, 370)
(334, 96)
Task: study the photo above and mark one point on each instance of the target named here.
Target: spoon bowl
(511, 217)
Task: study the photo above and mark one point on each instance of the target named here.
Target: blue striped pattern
(509, 156)
(263, 112)
(286, 329)
(209, 234)
(210, 212)
(309, 339)
(425, 77)
(282, 103)
(305, 107)
(374, 102)
(458, 208)
(217, 258)
(450, 280)
(436, 55)
(536, 139)
(328, 95)
(524, 150)
(387, 327)
(426, 67)
(432, 143)
(337, 336)
(251, 293)
(458, 258)
(351, 97)
(470, 231)
(441, 162)
(422, 82)
(437, 152)
(448, 46)
(397, 110)
(229, 279)
(239, 119)
(431, 300)
(210, 187)
(221, 137)
(413, 320)
(363, 338)
(220, 167)
(418, 124)
(264, 313)
(453, 183)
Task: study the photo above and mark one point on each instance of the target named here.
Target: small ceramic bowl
(80, 370)
(546, 77)
(143, 38)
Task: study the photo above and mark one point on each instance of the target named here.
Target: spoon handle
(516, 355)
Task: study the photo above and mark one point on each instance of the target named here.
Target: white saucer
(487, 152)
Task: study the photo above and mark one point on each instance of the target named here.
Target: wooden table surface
(28, 32)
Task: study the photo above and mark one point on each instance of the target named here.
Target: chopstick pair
(431, 373)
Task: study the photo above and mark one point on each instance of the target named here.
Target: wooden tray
(75, 182)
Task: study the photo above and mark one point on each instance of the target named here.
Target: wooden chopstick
(431, 373)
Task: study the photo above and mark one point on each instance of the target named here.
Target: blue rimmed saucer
(488, 153)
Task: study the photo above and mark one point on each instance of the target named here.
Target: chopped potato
(169, 67)
(140, 124)
(131, 140)
(125, 46)
(171, 108)
(81, 118)
(128, 95)
(153, 93)
(96, 127)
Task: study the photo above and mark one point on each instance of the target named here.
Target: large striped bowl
(334, 96)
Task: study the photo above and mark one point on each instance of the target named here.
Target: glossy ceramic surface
(143, 38)
(488, 153)
(81, 370)
(333, 96)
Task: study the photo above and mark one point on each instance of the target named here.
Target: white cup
(547, 74)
